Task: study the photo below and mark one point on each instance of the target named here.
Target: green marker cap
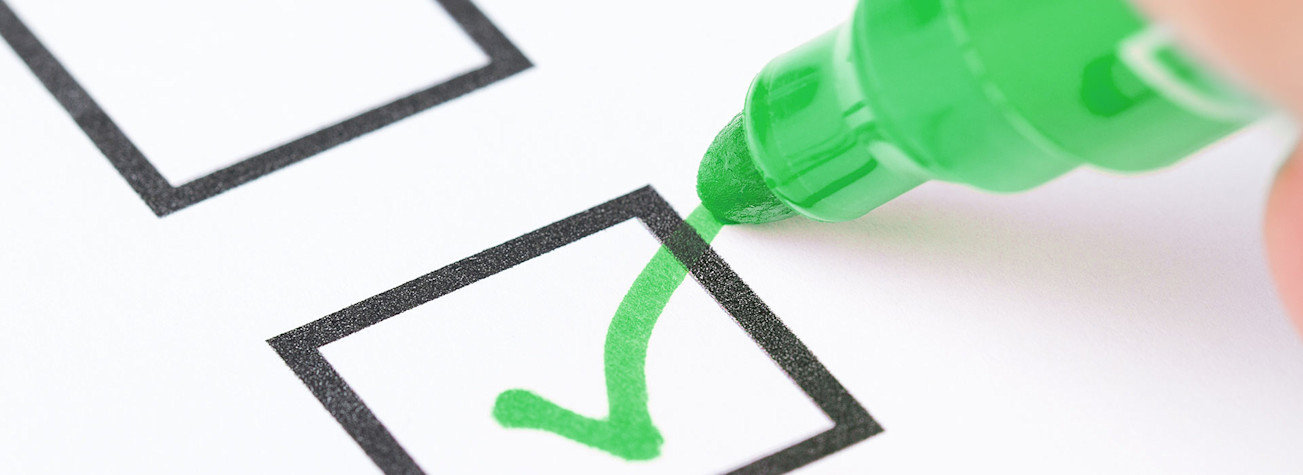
(1001, 95)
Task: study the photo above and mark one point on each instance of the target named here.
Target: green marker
(1002, 95)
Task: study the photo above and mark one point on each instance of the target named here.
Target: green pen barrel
(1002, 95)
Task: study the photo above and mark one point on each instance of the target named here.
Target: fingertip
(1283, 235)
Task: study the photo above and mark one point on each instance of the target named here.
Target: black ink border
(300, 347)
(505, 60)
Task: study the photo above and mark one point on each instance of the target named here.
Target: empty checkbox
(188, 100)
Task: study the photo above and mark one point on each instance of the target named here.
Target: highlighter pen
(1001, 95)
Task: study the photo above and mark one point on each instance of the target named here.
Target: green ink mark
(627, 431)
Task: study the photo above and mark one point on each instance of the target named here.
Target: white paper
(1098, 324)
(199, 86)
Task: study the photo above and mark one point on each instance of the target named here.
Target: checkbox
(188, 100)
(847, 421)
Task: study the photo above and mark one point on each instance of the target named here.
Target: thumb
(1284, 235)
(1258, 40)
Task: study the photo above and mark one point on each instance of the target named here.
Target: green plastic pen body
(1002, 95)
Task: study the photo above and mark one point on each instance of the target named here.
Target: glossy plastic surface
(1003, 95)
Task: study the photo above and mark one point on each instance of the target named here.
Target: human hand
(1260, 43)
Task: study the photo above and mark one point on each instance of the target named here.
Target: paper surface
(1099, 324)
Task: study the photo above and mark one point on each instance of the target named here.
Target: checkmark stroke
(627, 430)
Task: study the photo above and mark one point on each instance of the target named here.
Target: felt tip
(731, 186)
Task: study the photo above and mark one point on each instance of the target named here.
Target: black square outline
(163, 198)
(300, 347)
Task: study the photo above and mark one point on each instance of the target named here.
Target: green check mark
(627, 430)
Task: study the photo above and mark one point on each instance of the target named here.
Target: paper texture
(1099, 324)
